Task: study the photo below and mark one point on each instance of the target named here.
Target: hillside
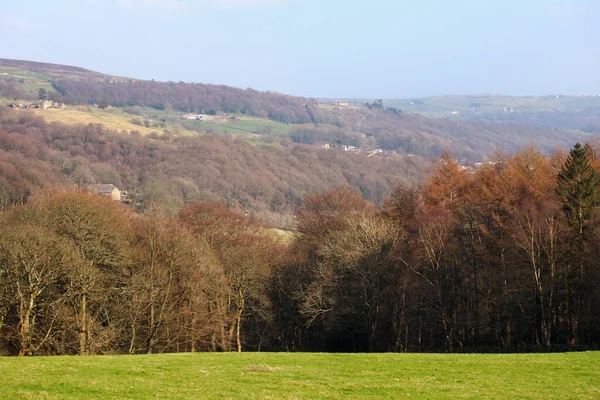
(56, 68)
(554, 111)
(266, 117)
(268, 181)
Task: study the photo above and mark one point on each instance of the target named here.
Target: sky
(321, 48)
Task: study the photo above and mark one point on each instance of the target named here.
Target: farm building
(106, 190)
(198, 117)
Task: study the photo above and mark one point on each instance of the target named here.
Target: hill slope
(310, 121)
(556, 111)
(267, 181)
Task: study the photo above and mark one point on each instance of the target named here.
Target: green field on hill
(241, 125)
(477, 105)
(118, 119)
(29, 80)
(304, 376)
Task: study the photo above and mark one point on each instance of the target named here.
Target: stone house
(106, 190)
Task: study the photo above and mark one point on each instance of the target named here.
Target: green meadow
(304, 376)
(241, 125)
(29, 80)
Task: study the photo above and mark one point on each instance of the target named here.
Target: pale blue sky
(326, 48)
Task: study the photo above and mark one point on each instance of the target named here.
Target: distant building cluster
(360, 150)
(106, 107)
(38, 105)
(198, 117)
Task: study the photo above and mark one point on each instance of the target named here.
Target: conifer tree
(579, 195)
(578, 187)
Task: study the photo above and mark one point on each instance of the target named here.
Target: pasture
(304, 376)
(115, 119)
(241, 125)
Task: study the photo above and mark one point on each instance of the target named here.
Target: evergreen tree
(578, 187)
(579, 195)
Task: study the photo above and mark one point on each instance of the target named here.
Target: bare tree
(33, 261)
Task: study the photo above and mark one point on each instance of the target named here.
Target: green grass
(31, 81)
(23, 74)
(304, 376)
(241, 125)
(118, 119)
(261, 125)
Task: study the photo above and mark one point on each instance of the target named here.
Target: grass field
(114, 119)
(24, 74)
(119, 120)
(29, 80)
(304, 376)
(241, 125)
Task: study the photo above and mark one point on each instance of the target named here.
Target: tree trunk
(132, 341)
(231, 331)
(83, 331)
(238, 325)
(193, 335)
(238, 320)
(25, 311)
(213, 341)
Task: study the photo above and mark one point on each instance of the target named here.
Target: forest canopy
(493, 260)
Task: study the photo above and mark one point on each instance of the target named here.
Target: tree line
(502, 259)
(185, 97)
(83, 275)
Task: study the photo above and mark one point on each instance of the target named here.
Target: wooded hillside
(266, 181)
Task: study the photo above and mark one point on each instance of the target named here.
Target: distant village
(42, 105)
(360, 150)
(198, 117)
(469, 167)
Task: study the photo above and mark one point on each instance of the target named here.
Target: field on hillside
(118, 119)
(465, 106)
(30, 81)
(114, 119)
(240, 125)
(304, 376)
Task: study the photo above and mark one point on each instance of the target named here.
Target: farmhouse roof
(103, 188)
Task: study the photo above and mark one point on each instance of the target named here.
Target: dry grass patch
(115, 119)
